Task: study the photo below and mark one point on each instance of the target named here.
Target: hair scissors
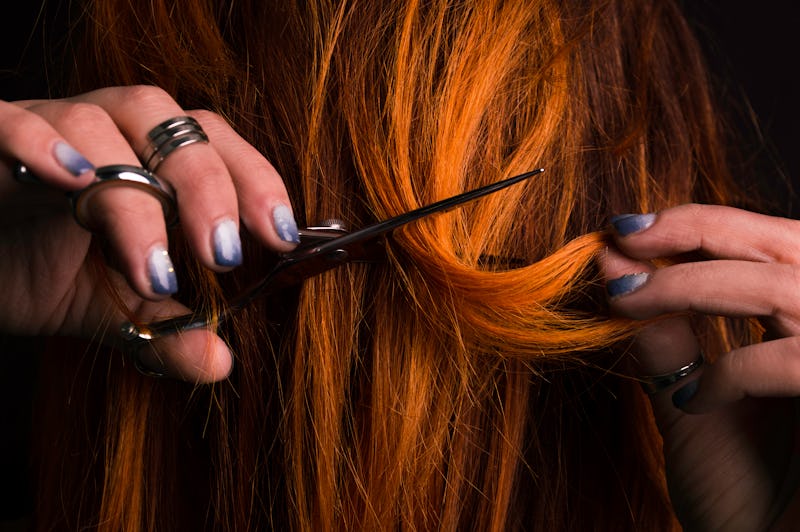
(320, 249)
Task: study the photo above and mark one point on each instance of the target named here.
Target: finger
(769, 369)
(28, 138)
(198, 355)
(662, 347)
(131, 220)
(687, 439)
(716, 231)
(264, 204)
(719, 287)
(205, 193)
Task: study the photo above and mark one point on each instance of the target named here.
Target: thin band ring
(173, 123)
(170, 135)
(173, 133)
(655, 383)
(144, 370)
(122, 175)
(164, 149)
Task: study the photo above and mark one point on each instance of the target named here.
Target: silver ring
(173, 123)
(122, 175)
(655, 383)
(144, 370)
(170, 135)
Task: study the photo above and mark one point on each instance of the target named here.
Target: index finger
(716, 231)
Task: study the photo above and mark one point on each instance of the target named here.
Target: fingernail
(626, 224)
(626, 284)
(69, 158)
(684, 394)
(227, 244)
(285, 224)
(162, 273)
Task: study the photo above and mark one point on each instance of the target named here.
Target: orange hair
(440, 389)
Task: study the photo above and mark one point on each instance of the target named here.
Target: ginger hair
(471, 381)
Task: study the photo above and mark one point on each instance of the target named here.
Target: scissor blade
(381, 228)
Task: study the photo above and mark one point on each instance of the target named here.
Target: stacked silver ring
(170, 135)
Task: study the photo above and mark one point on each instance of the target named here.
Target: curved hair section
(465, 382)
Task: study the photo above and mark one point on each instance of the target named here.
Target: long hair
(473, 379)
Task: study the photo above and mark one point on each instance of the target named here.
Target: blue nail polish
(161, 271)
(285, 224)
(684, 394)
(626, 224)
(227, 244)
(69, 158)
(626, 284)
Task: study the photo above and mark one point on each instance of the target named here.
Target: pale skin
(46, 276)
(728, 448)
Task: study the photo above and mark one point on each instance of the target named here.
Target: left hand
(730, 428)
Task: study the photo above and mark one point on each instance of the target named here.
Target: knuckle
(208, 173)
(687, 210)
(787, 296)
(83, 115)
(790, 251)
(213, 124)
(731, 365)
(252, 163)
(204, 116)
(789, 365)
(145, 96)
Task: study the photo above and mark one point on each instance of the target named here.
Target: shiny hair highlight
(470, 381)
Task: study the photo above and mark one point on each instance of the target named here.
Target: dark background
(751, 47)
(752, 50)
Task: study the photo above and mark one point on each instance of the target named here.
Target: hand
(729, 429)
(46, 276)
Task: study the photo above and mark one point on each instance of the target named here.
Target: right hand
(46, 275)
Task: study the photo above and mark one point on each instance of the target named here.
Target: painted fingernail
(626, 224)
(162, 273)
(227, 244)
(684, 394)
(626, 284)
(69, 158)
(285, 224)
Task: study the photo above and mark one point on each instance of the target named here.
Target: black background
(752, 49)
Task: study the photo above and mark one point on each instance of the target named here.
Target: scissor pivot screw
(129, 331)
(338, 255)
(332, 223)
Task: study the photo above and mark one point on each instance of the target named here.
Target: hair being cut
(470, 380)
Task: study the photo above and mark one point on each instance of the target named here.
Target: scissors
(321, 248)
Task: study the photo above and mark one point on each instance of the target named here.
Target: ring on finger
(656, 383)
(170, 135)
(122, 175)
(143, 369)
